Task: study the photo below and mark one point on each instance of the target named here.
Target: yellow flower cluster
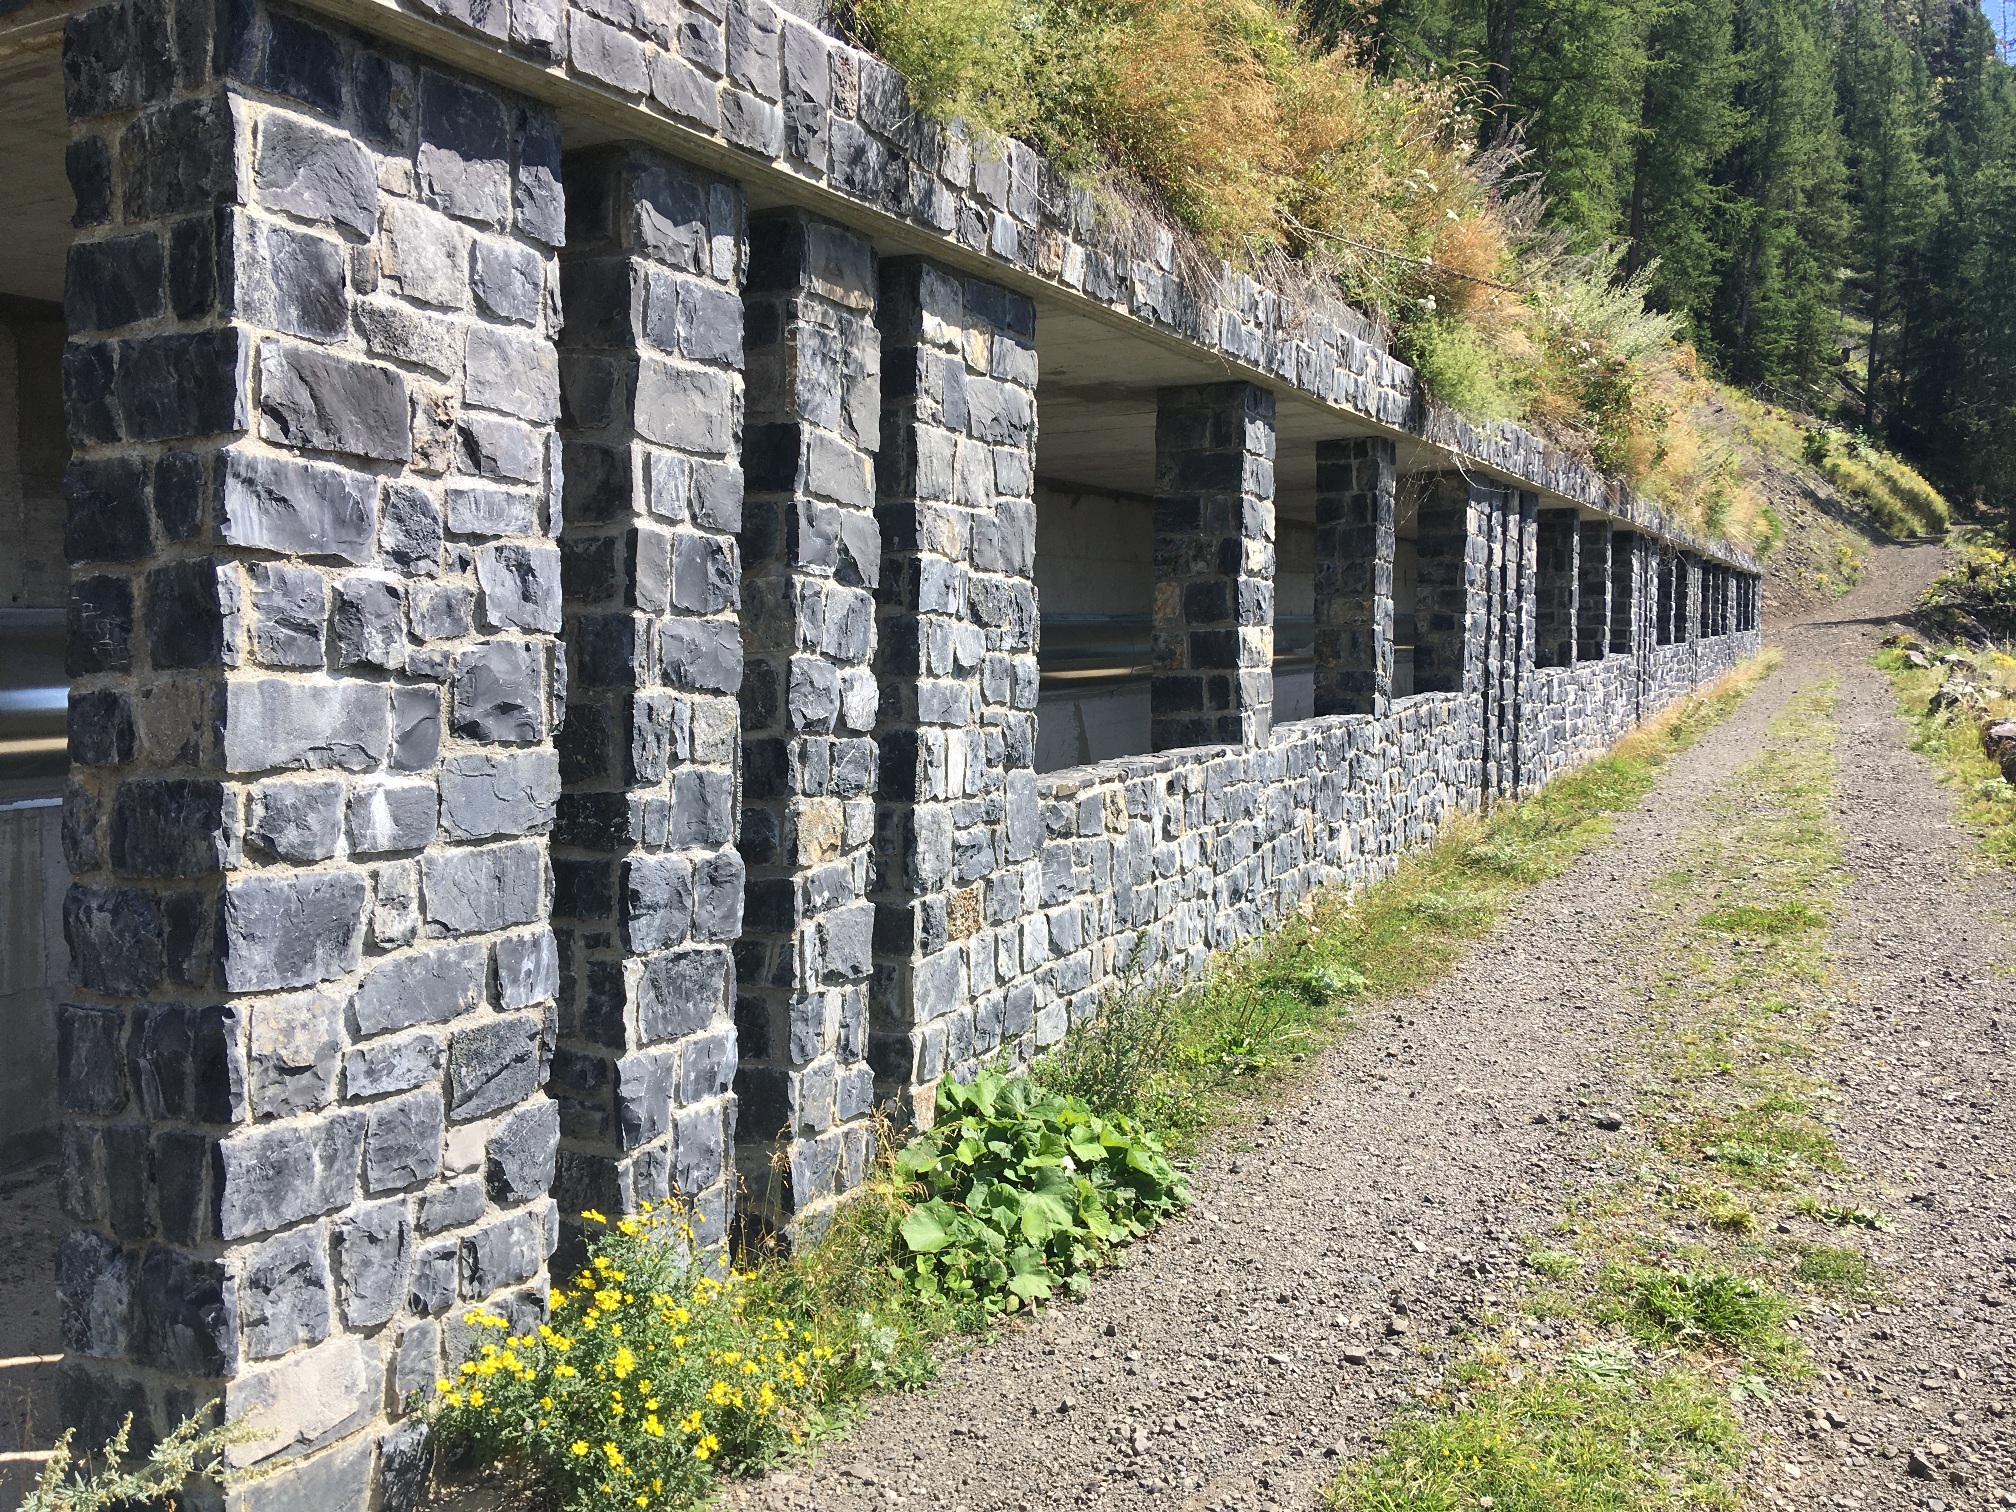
(650, 1368)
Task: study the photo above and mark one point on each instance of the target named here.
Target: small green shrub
(1024, 1190)
(1119, 1060)
(104, 1482)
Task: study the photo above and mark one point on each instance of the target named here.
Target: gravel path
(1241, 1350)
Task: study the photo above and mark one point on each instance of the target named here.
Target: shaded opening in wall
(1095, 588)
(1406, 587)
(1662, 608)
(1623, 582)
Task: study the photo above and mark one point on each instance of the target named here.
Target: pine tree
(1679, 211)
(1886, 108)
(1778, 305)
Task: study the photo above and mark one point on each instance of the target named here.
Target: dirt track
(1243, 1349)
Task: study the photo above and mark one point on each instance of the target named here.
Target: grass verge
(1668, 1307)
(1951, 739)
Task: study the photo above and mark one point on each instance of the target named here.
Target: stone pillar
(1623, 591)
(1667, 579)
(812, 557)
(957, 824)
(1354, 576)
(1451, 606)
(1214, 566)
(1687, 597)
(312, 388)
(648, 883)
(1522, 539)
(1592, 611)
(1557, 586)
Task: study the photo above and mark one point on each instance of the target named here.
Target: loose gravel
(1345, 1242)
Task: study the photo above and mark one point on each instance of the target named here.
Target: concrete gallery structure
(603, 599)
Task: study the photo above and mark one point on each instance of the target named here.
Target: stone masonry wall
(312, 387)
(648, 883)
(813, 559)
(956, 655)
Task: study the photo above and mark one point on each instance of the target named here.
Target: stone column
(1556, 589)
(812, 557)
(1214, 566)
(957, 824)
(1592, 611)
(1687, 597)
(1354, 576)
(647, 879)
(1522, 539)
(312, 388)
(1623, 591)
(1451, 607)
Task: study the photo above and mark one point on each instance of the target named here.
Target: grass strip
(1951, 739)
(1657, 1307)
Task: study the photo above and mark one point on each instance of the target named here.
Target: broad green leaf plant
(1023, 1191)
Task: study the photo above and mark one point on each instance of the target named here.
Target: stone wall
(351, 513)
(315, 609)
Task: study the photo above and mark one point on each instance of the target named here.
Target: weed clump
(1683, 1306)
(1025, 1191)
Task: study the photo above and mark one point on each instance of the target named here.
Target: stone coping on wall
(801, 117)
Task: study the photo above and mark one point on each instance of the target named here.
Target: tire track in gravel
(1239, 1348)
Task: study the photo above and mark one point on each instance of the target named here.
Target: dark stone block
(178, 495)
(304, 62)
(181, 1186)
(187, 940)
(284, 1295)
(183, 1320)
(492, 1067)
(111, 283)
(90, 1070)
(192, 267)
(519, 1157)
(94, 1289)
(465, 150)
(318, 401)
(185, 621)
(180, 1062)
(681, 993)
(89, 369)
(101, 728)
(88, 163)
(170, 827)
(105, 510)
(99, 73)
(179, 159)
(181, 384)
(308, 277)
(114, 934)
(100, 626)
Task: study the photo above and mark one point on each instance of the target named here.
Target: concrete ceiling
(35, 202)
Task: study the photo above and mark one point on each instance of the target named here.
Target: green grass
(1620, 1435)
(1951, 740)
(1836, 1271)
